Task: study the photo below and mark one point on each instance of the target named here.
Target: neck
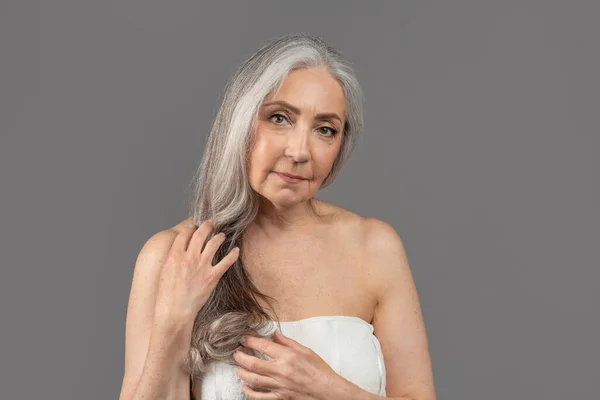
(275, 220)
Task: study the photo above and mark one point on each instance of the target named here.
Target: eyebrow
(296, 110)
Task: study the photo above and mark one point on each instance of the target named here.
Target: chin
(285, 199)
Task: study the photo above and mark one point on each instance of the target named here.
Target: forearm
(343, 389)
(164, 376)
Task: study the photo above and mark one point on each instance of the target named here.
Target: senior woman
(324, 298)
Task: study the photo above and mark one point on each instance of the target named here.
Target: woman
(308, 275)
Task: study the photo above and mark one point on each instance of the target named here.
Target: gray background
(480, 148)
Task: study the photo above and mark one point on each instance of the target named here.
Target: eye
(277, 115)
(333, 131)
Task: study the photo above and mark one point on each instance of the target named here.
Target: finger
(199, 237)
(286, 341)
(266, 346)
(183, 238)
(257, 381)
(255, 364)
(208, 254)
(222, 266)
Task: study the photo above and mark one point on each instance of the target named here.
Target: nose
(298, 145)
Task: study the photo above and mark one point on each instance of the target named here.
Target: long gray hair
(223, 194)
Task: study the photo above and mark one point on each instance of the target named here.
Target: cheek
(264, 151)
(326, 160)
(262, 148)
(262, 158)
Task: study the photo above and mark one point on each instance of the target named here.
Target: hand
(187, 277)
(296, 371)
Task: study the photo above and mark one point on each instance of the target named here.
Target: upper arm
(398, 319)
(140, 309)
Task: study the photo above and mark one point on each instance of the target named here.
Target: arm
(154, 348)
(346, 390)
(398, 320)
(163, 376)
(343, 389)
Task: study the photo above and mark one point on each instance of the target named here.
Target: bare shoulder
(373, 233)
(384, 254)
(158, 245)
(398, 318)
(341, 219)
(140, 308)
(149, 262)
(379, 235)
(383, 258)
(181, 224)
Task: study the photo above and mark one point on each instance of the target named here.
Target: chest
(308, 276)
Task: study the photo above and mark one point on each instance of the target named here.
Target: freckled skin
(297, 144)
(308, 263)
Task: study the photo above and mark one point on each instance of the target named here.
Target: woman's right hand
(187, 277)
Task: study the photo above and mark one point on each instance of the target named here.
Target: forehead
(312, 90)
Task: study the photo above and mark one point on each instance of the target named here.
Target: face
(298, 132)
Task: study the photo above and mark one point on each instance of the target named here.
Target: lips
(290, 175)
(287, 178)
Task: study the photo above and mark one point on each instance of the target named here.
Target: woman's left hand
(295, 371)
